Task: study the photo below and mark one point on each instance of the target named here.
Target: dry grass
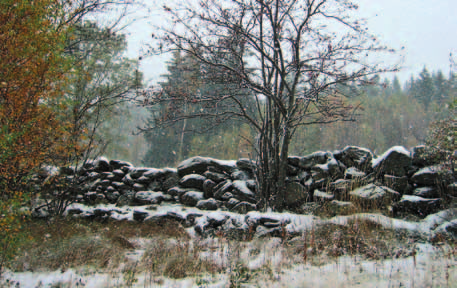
(360, 237)
(176, 259)
(169, 253)
(64, 244)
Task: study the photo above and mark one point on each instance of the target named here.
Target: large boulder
(137, 172)
(104, 183)
(139, 215)
(246, 164)
(447, 230)
(102, 165)
(208, 204)
(198, 165)
(143, 180)
(149, 197)
(178, 191)
(155, 186)
(322, 197)
(353, 173)
(263, 232)
(433, 175)
(118, 174)
(332, 169)
(222, 188)
(427, 192)
(92, 176)
(240, 175)
(296, 194)
(416, 205)
(128, 180)
(152, 173)
(308, 161)
(210, 222)
(227, 196)
(191, 198)
(232, 203)
(192, 181)
(241, 191)
(243, 207)
(340, 188)
(394, 161)
(372, 196)
(118, 164)
(138, 187)
(208, 188)
(312, 184)
(66, 170)
(112, 196)
(354, 156)
(51, 171)
(125, 199)
(120, 186)
(169, 178)
(399, 184)
(215, 177)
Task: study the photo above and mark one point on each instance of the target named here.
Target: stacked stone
(407, 182)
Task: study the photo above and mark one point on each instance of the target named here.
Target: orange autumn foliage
(32, 77)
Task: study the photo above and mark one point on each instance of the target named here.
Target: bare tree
(298, 58)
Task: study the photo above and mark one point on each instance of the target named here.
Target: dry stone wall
(403, 180)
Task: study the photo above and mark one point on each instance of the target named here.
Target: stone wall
(405, 181)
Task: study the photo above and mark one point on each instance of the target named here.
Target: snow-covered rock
(427, 192)
(137, 172)
(102, 165)
(354, 156)
(149, 197)
(340, 207)
(191, 198)
(447, 230)
(322, 197)
(430, 176)
(241, 191)
(353, 173)
(243, 207)
(332, 169)
(222, 188)
(198, 165)
(215, 177)
(118, 164)
(308, 161)
(417, 205)
(394, 161)
(372, 196)
(192, 181)
(399, 184)
(208, 188)
(208, 204)
(246, 164)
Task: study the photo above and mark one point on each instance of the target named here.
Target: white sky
(426, 28)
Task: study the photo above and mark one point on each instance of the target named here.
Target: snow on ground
(431, 267)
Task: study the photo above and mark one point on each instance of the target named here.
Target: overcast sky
(426, 28)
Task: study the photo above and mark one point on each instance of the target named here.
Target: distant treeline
(391, 113)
